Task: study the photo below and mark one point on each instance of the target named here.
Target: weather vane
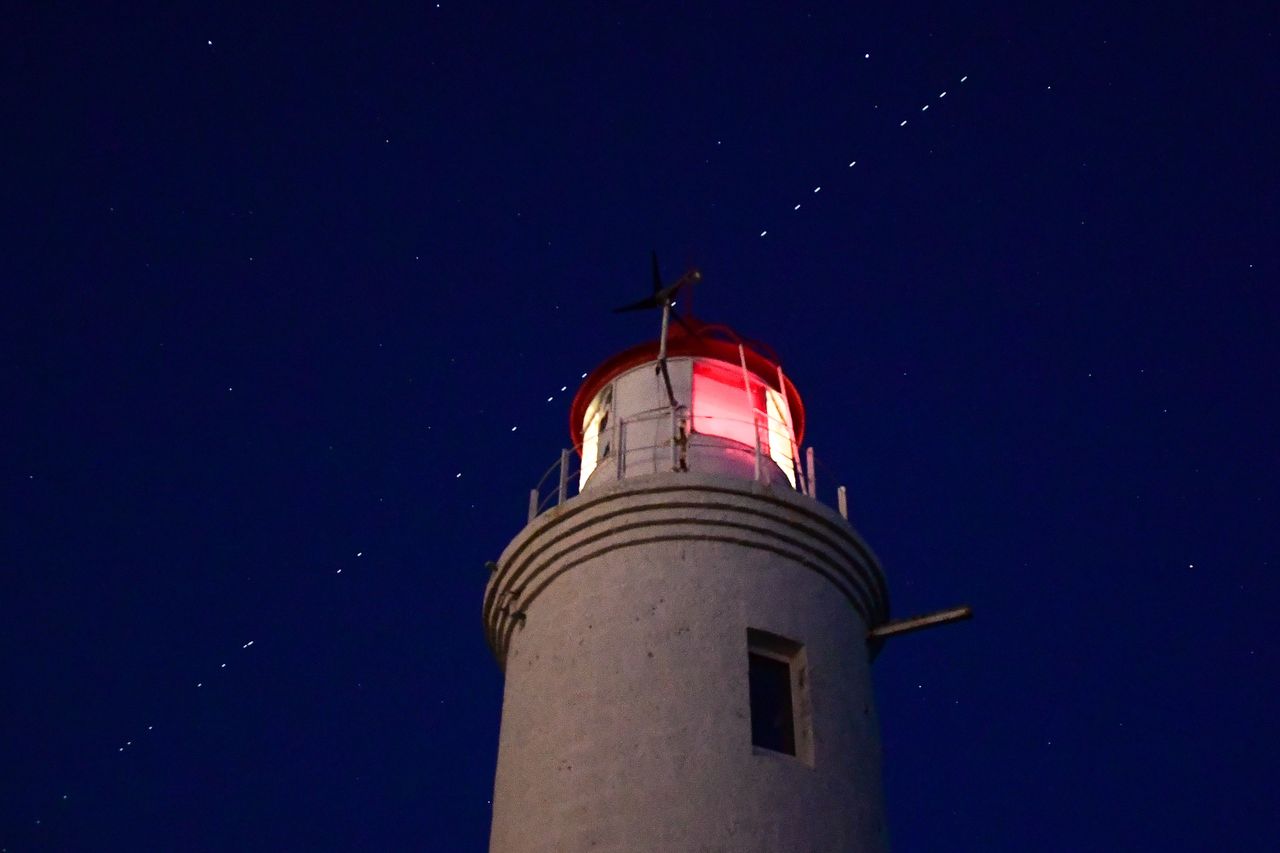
(664, 297)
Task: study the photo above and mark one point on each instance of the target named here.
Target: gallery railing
(561, 480)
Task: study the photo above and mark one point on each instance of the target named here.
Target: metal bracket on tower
(681, 433)
(918, 623)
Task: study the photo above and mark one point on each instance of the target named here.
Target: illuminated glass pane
(721, 405)
(592, 424)
(780, 436)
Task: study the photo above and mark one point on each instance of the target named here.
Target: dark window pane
(771, 723)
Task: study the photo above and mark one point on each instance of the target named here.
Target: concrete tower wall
(621, 620)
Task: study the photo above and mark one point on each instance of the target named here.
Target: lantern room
(712, 404)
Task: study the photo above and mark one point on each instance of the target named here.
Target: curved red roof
(711, 341)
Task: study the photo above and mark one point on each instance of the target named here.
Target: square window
(777, 675)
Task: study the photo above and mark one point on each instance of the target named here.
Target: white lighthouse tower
(687, 641)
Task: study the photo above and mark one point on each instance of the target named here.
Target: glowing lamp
(730, 410)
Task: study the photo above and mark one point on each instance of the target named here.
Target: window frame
(765, 644)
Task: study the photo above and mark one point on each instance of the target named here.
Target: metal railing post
(842, 501)
(813, 475)
(564, 477)
(533, 504)
(755, 423)
(622, 448)
(751, 406)
(675, 441)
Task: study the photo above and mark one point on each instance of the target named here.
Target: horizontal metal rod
(917, 623)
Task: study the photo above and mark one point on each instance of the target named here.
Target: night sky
(296, 299)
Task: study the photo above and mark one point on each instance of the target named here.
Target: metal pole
(622, 449)
(662, 355)
(916, 623)
(813, 475)
(751, 406)
(756, 426)
(533, 504)
(564, 476)
(662, 341)
(682, 426)
(675, 442)
(842, 501)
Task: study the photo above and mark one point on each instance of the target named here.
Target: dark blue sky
(275, 276)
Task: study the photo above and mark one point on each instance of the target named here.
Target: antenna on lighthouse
(664, 297)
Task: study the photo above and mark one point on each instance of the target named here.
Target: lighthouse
(686, 631)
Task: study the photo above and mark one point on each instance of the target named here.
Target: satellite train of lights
(852, 163)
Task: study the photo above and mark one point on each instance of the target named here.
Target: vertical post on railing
(682, 429)
(564, 476)
(755, 427)
(675, 442)
(842, 501)
(621, 452)
(533, 504)
(751, 405)
(813, 475)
